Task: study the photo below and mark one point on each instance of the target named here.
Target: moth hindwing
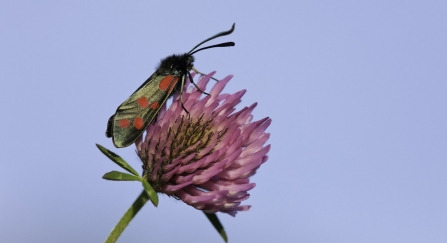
(135, 114)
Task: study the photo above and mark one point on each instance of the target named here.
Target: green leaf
(150, 192)
(127, 217)
(212, 217)
(117, 159)
(120, 176)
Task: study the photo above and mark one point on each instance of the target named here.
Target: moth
(135, 114)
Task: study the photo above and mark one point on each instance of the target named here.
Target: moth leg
(190, 79)
(197, 71)
(181, 94)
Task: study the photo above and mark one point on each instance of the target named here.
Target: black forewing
(130, 109)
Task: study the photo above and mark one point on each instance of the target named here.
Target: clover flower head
(205, 158)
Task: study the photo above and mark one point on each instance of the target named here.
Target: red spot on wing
(124, 123)
(138, 123)
(143, 102)
(155, 105)
(173, 85)
(166, 82)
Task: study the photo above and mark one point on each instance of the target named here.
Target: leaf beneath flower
(117, 159)
(120, 176)
(212, 217)
(150, 192)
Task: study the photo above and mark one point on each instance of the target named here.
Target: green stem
(127, 217)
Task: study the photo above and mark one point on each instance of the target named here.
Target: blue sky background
(356, 90)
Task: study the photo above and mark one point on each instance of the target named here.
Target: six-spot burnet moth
(135, 114)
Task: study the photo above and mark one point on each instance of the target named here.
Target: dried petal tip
(205, 158)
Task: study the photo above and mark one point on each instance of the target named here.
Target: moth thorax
(177, 63)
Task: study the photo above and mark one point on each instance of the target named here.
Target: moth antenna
(225, 44)
(192, 81)
(223, 33)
